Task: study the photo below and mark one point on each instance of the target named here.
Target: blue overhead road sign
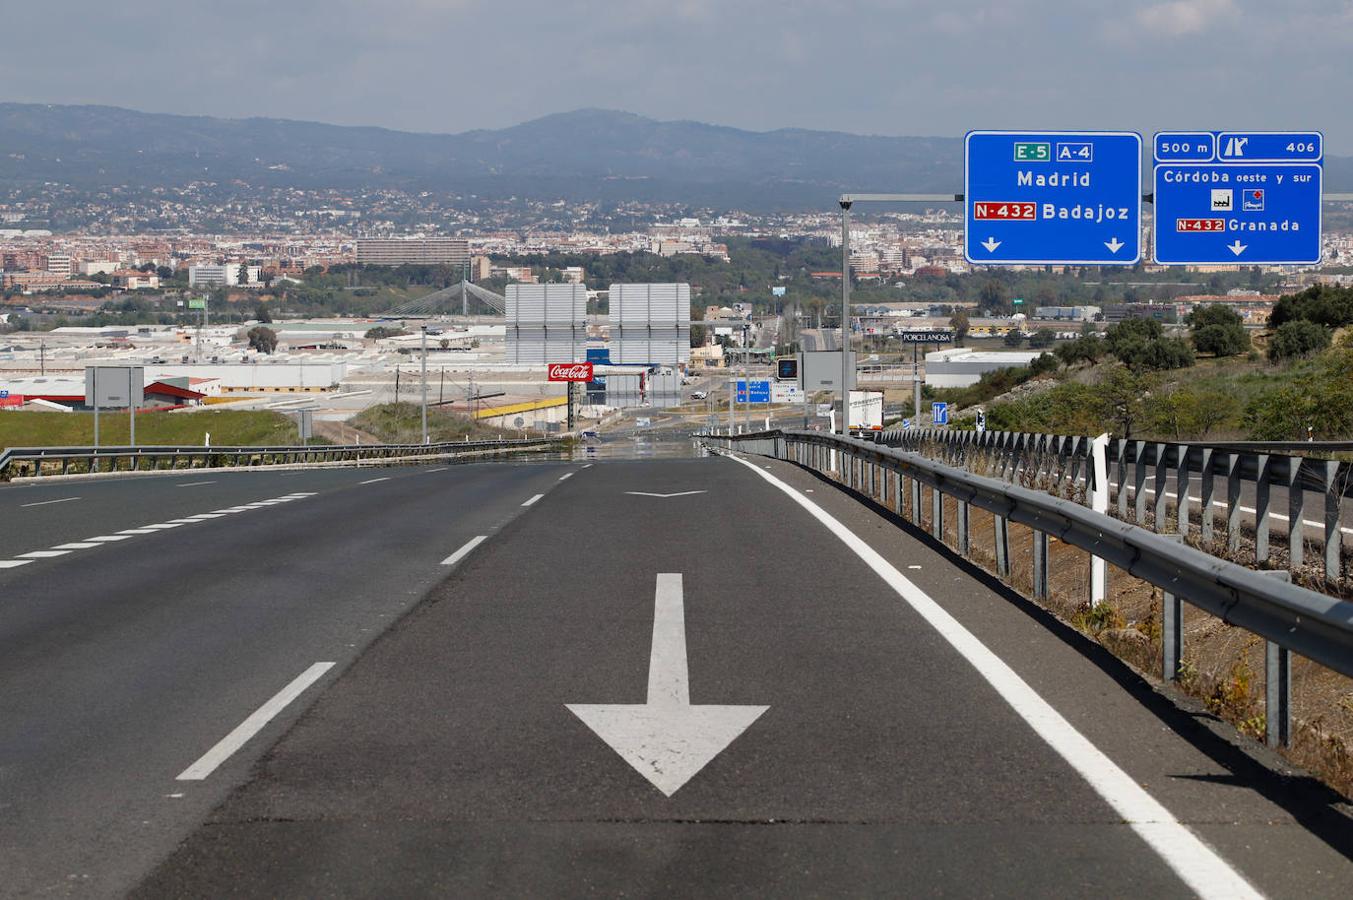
(1053, 197)
(759, 393)
(1251, 198)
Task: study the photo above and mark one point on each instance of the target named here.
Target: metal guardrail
(1291, 618)
(38, 461)
(1062, 464)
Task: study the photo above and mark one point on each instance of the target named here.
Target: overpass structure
(777, 667)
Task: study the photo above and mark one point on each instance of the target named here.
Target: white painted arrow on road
(991, 244)
(1114, 244)
(667, 740)
(664, 496)
(1237, 248)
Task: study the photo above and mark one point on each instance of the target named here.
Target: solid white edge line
(1198, 865)
(465, 550)
(533, 499)
(45, 502)
(251, 726)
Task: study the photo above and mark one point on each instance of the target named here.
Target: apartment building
(413, 251)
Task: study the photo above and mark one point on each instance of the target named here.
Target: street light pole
(846, 372)
(425, 383)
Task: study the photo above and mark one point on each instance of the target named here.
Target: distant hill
(584, 155)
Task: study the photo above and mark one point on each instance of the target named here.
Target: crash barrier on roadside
(1061, 464)
(1292, 619)
(17, 462)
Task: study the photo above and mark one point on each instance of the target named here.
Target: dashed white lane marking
(194, 483)
(442, 469)
(1196, 864)
(566, 476)
(374, 480)
(465, 550)
(251, 726)
(533, 499)
(45, 502)
(588, 466)
(24, 559)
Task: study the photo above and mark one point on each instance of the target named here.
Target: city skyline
(916, 68)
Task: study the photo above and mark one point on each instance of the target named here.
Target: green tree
(1330, 305)
(1119, 399)
(1218, 330)
(1297, 338)
(959, 322)
(1042, 339)
(261, 313)
(262, 339)
(1141, 345)
(1013, 338)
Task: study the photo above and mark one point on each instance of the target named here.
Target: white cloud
(1181, 17)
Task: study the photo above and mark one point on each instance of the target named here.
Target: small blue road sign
(759, 393)
(939, 413)
(4, 395)
(1251, 198)
(906, 423)
(1053, 197)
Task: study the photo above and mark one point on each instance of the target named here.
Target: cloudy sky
(915, 67)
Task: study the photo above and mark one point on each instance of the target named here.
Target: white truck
(866, 414)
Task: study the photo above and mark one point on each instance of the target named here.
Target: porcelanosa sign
(570, 371)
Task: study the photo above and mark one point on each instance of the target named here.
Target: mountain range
(588, 154)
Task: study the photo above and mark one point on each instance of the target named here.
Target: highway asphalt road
(666, 677)
(151, 616)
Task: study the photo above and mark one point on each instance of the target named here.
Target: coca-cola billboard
(575, 371)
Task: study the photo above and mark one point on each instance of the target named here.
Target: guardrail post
(1296, 512)
(937, 514)
(964, 512)
(1162, 485)
(1233, 470)
(1206, 486)
(1002, 541)
(1334, 535)
(897, 490)
(1040, 564)
(1182, 482)
(1171, 635)
(1263, 513)
(916, 502)
(1139, 484)
(1277, 688)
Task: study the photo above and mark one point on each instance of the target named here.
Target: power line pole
(396, 385)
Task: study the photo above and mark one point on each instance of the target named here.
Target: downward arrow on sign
(991, 244)
(1237, 248)
(1114, 244)
(667, 740)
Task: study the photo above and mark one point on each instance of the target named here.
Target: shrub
(1219, 331)
(1296, 339)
